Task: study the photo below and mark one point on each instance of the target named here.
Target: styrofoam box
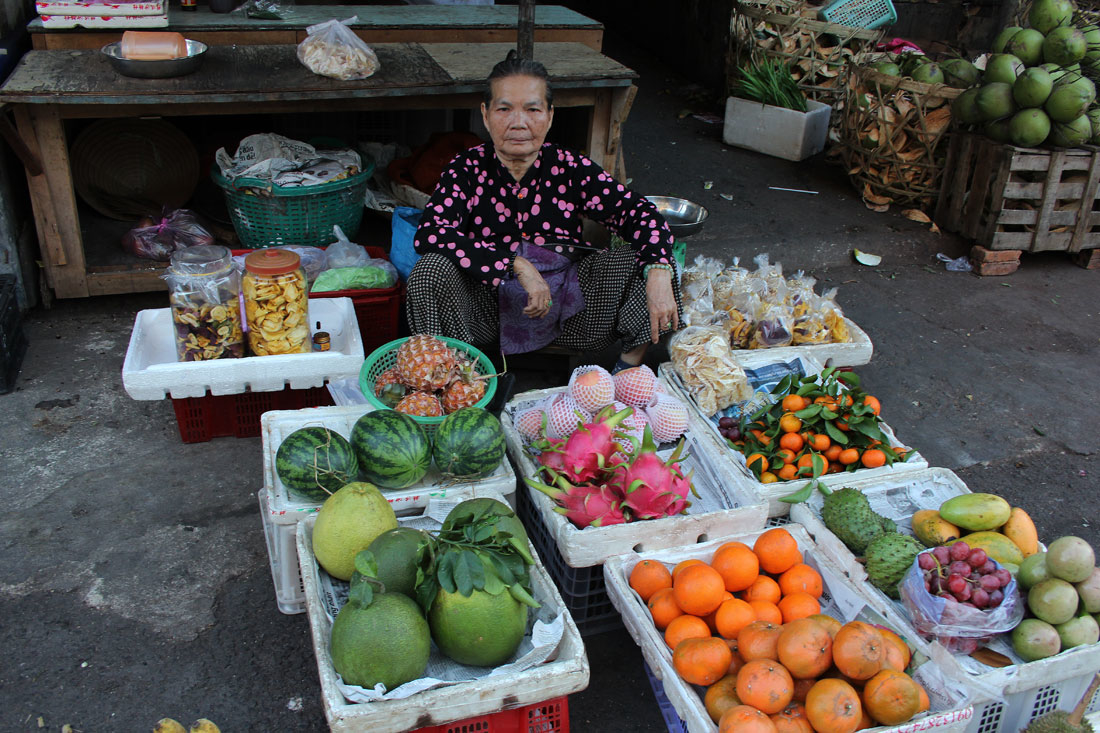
(99, 10)
(842, 600)
(592, 545)
(95, 21)
(772, 492)
(152, 370)
(777, 131)
(565, 673)
(1007, 698)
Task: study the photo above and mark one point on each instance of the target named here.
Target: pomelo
(387, 641)
(1027, 45)
(347, 523)
(482, 629)
(1028, 128)
(395, 552)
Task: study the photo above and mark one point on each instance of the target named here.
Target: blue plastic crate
(868, 14)
(672, 720)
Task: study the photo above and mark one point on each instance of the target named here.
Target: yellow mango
(996, 545)
(976, 512)
(932, 529)
(1020, 529)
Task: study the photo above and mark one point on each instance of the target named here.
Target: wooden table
(377, 24)
(48, 87)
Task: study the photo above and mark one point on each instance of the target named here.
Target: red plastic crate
(217, 416)
(551, 716)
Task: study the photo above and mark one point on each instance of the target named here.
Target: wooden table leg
(53, 200)
(622, 100)
(599, 129)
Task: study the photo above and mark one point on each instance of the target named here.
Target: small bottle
(321, 340)
(190, 5)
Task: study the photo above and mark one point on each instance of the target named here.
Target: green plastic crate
(868, 14)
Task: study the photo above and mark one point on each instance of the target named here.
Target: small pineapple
(425, 363)
(421, 404)
(388, 387)
(465, 389)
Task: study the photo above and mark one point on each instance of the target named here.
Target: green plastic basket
(298, 216)
(867, 14)
(385, 356)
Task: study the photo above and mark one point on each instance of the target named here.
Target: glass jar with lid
(276, 302)
(204, 290)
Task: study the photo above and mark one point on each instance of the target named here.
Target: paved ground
(135, 580)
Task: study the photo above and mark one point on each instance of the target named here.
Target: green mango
(976, 512)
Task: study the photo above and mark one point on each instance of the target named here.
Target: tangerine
(897, 651)
(786, 455)
(684, 564)
(745, 719)
(805, 648)
(891, 697)
(788, 472)
(801, 578)
(873, 458)
(648, 577)
(788, 423)
(698, 589)
(759, 458)
(778, 551)
(732, 616)
(737, 564)
(831, 624)
(662, 605)
(858, 650)
(832, 453)
(820, 442)
(791, 441)
(721, 696)
(767, 611)
(763, 589)
(833, 706)
(798, 605)
(768, 477)
(873, 403)
(792, 719)
(766, 685)
(848, 456)
(794, 403)
(702, 661)
(685, 627)
(758, 640)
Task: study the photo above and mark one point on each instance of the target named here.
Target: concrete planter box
(776, 131)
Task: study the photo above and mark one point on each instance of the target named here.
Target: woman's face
(518, 118)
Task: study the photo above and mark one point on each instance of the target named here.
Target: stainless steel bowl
(161, 69)
(684, 217)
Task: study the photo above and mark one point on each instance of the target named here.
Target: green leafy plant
(770, 82)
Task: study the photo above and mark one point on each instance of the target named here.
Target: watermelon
(393, 450)
(469, 443)
(315, 462)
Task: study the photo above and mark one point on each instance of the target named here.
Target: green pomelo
(347, 523)
(1032, 87)
(1066, 103)
(994, 101)
(1071, 558)
(1054, 601)
(395, 552)
(1003, 67)
(1028, 128)
(960, 73)
(998, 130)
(1070, 135)
(1033, 570)
(1046, 15)
(887, 67)
(964, 107)
(1089, 591)
(481, 629)
(1064, 46)
(928, 74)
(1078, 631)
(1027, 45)
(388, 642)
(1035, 639)
(1004, 37)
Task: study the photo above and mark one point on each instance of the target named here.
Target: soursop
(888, 558)
(1058, 722)
(848, 515)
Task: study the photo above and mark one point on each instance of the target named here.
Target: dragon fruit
(653, 488)
(585, 505)
(587, 452)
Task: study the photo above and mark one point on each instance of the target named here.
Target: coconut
(960, 73)
(1028, 128)
(994, 101)
(1032, 87)
(1002, 67)
(998, 130)
(1094, 118)
(1046, 15)
(928, 74)
(1027, 45)
(1070, 134)
(1004, 37)
(1065, 45)
(1083, 83)
(1092, 43)
(964, 108)
(887, 67)
(1066, 102)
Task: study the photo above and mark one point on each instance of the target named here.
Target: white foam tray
(152, 371)
(98, 10)
(95, 21)
(590, 546)
(286, 508)
(565, 673)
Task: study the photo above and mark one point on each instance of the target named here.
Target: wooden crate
(1027, 199)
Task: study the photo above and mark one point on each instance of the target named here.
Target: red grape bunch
(963, 575)
(729, 428)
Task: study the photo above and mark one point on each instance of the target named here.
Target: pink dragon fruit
(586, 454)
(651, 487)
(551, 455)
(586, 505)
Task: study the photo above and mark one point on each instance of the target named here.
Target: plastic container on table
(203, 290)
(152, 45)
(276, 303)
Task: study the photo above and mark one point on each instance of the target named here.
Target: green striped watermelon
(315, 462)
(469, 443)
(393, 450)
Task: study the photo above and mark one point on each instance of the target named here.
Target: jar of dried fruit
(276, 302)
(204, 290)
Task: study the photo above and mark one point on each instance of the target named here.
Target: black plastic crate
(13, 341)
(583, 589)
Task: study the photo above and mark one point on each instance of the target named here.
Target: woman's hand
(662, 303)
(538, 292)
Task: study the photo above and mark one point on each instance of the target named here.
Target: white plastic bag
(332, 49)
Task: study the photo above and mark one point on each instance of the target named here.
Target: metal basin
(160, 69)
(684, 217)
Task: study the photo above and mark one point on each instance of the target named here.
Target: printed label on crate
(98, 10)
(104, 21)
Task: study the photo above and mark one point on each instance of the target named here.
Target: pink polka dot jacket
(479, 213)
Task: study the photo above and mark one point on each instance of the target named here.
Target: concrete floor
(135, 582)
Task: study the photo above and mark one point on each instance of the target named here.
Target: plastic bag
(378, 274)
(158, 240)
(705, 363)
(345, 253)
(959, 628)
(332, 49)
(402, 250)
(774, 327)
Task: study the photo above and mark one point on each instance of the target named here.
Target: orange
(745, 719)
(807, 461)
(848, 456)
(758, 640)
(710, 618)
(832, 453)
(897, 651)
(830, 623)
(648, 577)
(788, 423)
(737, 564)
(684, 564)
(827, 401)
(721, 696)
(763, 589)
(833, 706)
(768, 477)
(698, 589)
(891, 697)
(662, 605)
(798, 605)
(794, 403)
(858, 650)
(873, 403)
(804, 648)
(759, 458)
(767, 611)
(765, 685)
(685, 627)
(873, 458)
(761, 437)
(786, 455)
(777, 550)
(792, 719)
(702, 661)
(791, 441)
(789, 472)
(801, 578)
(732, 616)
(925, 702)
(820, 442)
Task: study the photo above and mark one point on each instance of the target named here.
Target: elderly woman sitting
(503, 255)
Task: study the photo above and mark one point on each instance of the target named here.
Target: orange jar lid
(272, 261)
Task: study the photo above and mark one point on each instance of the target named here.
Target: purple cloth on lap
(520, 334)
